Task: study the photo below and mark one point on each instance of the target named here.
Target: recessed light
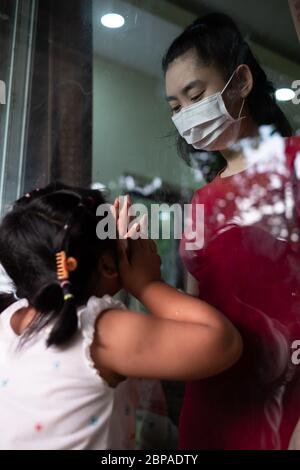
(285, 94)
(113, 20)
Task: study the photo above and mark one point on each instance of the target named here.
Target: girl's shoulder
(90, 312)
(89, 316)
(96, 305)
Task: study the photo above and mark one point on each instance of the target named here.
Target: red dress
(249, 268)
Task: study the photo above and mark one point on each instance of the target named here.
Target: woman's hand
(142, 268)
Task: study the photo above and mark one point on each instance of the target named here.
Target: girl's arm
(183, 339)
(132, 344)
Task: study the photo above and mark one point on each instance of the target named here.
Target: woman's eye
(197, 97)
(176, 109)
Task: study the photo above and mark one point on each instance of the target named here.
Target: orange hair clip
(64, 265)
(61, 266)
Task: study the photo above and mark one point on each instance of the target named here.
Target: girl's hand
(142, 268)
(122, 221)
(121, 215)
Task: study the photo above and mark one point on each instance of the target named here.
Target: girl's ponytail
(60, 301)
(47, 225)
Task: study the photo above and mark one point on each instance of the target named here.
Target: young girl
(66, 345)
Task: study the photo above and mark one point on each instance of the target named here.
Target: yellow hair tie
(68, 297)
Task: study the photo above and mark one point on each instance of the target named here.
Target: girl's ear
(107, 266)
(244, 80)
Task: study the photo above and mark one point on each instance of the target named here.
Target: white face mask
(203, 124)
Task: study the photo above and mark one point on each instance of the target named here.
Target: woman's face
(189, 81)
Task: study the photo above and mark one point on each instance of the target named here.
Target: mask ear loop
(228, 82)
(243, 117)
(243, 104)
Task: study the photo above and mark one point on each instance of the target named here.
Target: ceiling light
(113, 20)
(285, 94)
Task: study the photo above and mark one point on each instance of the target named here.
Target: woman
(248, 266)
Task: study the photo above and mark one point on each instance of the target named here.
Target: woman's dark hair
(41, 224)
(217, 40)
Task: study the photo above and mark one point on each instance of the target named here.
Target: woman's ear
(244, 80)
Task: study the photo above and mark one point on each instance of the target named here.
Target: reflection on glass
(86, 103)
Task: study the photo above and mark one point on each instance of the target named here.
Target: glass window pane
(85, 100)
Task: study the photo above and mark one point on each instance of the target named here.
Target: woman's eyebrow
(192, 85)
(186, 89)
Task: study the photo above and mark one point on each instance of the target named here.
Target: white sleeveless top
(53, 398)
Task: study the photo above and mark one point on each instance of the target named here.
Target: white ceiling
(140, 44)
(145, 38)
